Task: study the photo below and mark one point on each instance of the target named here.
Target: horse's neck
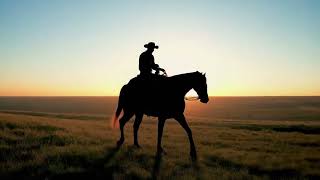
(183, 83)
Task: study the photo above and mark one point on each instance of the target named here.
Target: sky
(91, 48)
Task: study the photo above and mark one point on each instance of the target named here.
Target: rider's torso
(146, 62)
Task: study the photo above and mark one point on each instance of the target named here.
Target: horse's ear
(204, 74)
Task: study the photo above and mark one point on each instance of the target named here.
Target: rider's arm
(154, 66)
(157, 68)
(161, 69)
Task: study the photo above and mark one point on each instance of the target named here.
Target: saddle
(147, 84)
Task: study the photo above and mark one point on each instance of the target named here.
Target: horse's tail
(119, 108)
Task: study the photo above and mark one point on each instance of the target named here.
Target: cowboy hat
(151, 45)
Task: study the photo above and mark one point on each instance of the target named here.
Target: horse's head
(200, 86)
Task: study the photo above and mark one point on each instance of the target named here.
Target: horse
(163, 98)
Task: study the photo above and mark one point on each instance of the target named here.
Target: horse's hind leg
(136, 125)
(181, 119)
(123, 120)
(161, 122)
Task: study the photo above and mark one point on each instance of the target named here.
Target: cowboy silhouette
(146, 61)
(158, 96)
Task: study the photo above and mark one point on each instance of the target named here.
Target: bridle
(192, 98)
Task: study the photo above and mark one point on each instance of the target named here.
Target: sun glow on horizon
(254, 48)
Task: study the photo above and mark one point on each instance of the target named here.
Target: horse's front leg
(136, 125)
(182, 121)
(161, 122)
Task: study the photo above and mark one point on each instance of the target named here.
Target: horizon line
(186, 96)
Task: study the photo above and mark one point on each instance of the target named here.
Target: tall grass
(40, 147)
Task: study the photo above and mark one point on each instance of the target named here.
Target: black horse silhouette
(162, 98)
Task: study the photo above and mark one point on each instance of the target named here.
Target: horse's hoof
(161, 151)
(119, 143)
(193, 155)
(137, 145)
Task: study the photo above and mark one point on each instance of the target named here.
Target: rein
(192, 98)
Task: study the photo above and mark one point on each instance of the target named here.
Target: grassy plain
(37, 145)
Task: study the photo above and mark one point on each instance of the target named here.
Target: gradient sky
(246, 47)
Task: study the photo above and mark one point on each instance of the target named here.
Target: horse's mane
(184, 76)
